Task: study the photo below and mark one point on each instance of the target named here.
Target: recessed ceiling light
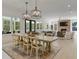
(69, 5)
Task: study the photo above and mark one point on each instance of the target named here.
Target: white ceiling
(49, 8)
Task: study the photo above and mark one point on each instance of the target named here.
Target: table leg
(49, 46)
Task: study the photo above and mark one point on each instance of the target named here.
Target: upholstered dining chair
(36, 46)
(20, 41)
(16, 39)
(26, 44)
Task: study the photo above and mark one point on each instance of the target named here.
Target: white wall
(22, 26)
(55, 20)
(49, 21)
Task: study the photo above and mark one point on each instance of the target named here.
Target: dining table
(45, 39)
(48, 40)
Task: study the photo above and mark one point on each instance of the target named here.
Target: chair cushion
(60, 34)
(37, 44)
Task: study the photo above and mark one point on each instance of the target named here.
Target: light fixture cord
(26, 7)
(35, 3)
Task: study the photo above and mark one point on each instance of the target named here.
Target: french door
(30, 25)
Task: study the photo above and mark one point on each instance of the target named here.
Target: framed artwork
(74, 25)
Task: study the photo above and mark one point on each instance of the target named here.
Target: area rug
(19, 53)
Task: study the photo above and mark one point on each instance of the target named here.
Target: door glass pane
(32, 26)
(27, 26)
(37, 25)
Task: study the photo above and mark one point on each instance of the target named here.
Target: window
(16, 25)
(55, 26)
(47, 26)
(38, 26)
(10, 24)
(51, 27)
(6, 24)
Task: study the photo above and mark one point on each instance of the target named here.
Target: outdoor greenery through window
(41, 27)
(37, 25)
(32, 26)
(10, 25)
(6, 24)
(17, 25)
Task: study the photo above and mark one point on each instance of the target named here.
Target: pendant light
(26, 15)
(36, 13)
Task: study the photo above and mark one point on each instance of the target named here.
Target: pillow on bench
(60, 34)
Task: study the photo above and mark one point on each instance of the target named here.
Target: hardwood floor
(67, 51)
(5, 56)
